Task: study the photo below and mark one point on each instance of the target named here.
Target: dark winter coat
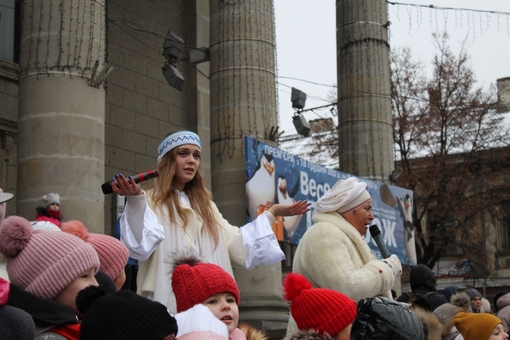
(48, 315)
(423, 281)
(380, 318)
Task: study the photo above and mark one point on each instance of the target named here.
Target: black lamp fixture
(173, 76)
(172, 49)
(301, 124)
(298, 99)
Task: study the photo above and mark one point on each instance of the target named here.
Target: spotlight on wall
(298, 99)
(198, 55)
(173, 76)
(172, 47)
(301, 124)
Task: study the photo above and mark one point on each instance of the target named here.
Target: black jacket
(380, 318)
(45, 313)
(423, 281)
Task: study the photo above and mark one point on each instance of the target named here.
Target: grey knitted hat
(472, 293)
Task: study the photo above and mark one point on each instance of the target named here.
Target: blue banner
(276, 176)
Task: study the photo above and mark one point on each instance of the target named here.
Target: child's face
(476, 303)
(498, 333)
(345, 334)
(67, 297)
(187, 162)
(120, 280)
(54, 207)
(224, 307)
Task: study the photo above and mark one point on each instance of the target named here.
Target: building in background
(84, 97)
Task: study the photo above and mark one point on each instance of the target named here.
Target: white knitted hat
(199, 322)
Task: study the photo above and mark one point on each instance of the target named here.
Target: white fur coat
(332, 254)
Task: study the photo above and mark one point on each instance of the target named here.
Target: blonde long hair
(163, 194)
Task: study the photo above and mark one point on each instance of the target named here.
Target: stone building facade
(139, 106)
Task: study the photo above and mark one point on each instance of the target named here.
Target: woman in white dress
(177, 212)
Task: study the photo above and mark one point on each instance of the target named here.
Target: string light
(76, 27)
(447, 8)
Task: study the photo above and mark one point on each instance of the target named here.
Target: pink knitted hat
(113, 255)
(43, 262)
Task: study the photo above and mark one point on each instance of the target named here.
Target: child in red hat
(319, 313)
(196, 282)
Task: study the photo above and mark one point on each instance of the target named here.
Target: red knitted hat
(43, 262)
(322, 309)
(113, 254)
(193, 281)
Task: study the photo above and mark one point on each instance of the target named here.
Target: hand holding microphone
(378, 238)
(390, 260)
(107, 187)
(394, 264)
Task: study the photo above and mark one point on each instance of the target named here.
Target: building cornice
(8, 70)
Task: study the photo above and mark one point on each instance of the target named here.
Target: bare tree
(450, 147)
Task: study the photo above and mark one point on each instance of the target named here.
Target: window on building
(7, 14)
(504, 225)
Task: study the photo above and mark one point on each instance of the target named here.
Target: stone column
(243, 103)
(364, 106)
(61, 117)
(198, 94)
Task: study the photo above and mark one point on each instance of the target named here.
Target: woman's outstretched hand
(125, 186)
(297, 208)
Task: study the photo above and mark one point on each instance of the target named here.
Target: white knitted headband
(344, 196)
(177, 139)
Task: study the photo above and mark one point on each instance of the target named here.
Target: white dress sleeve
(139, 228)
(260, 242)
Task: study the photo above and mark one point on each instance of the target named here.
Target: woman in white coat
(333, 253)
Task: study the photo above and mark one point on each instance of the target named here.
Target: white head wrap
(177, 139)
(344, 196)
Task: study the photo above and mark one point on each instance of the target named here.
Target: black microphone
(376, 235)
(142, 176)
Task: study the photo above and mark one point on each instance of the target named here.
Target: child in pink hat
(113, 255)
(50, 266)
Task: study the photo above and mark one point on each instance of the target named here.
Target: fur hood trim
(252, 333)
(434, 326)
(310, 334)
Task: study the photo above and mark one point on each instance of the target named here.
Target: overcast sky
(306, 43)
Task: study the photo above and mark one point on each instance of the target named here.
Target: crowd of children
(53, 294)
(63, 282)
